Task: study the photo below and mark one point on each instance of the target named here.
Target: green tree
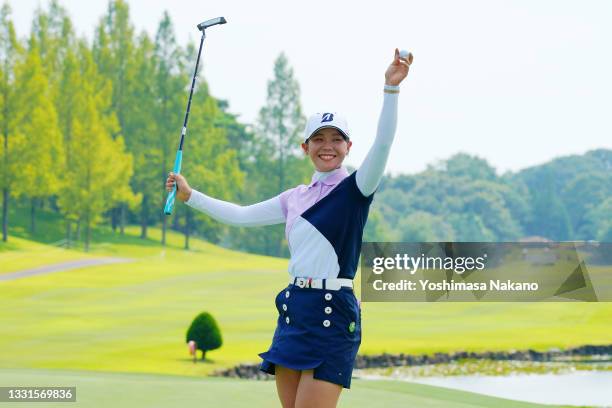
(113, 51)
(205, 332)
(41, 161)
(562, 191)
(376, 228)
(582, 195)
(239, 135)
(91, 184)
(67, 94)
(421, 226)
(142, 126)
(169, 85)
(487, 200)
(277, 162)
(549, 216)
(461, 197)
(212, 163)
(393, 204)
(53, 34)
(599, 221)
(471, 227)
(473, 168)
(13, 143)
(280, 125)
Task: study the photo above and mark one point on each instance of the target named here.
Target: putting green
(119, 390)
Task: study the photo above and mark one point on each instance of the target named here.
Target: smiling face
(327, 149)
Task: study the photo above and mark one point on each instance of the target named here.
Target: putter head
(209, 23)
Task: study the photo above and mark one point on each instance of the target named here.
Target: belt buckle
(303, 282)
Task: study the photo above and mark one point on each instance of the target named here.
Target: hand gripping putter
(179, 153)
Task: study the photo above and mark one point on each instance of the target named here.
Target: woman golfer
(318, 331)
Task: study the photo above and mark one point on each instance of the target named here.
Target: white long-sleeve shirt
(287, 207)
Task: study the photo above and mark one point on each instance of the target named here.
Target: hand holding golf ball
(398, 70)
(183, 191)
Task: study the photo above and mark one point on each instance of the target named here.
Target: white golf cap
(326, 120)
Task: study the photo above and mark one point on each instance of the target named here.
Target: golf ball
(403, 54)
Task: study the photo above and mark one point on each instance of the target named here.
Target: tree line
(464, 199)
(90, 128)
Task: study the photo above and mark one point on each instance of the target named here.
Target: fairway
(133, 317)
(20, 254)
(144, 391)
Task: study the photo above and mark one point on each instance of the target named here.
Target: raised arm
(264, 213)
(372, 169)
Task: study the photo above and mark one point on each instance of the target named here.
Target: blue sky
(514, 82)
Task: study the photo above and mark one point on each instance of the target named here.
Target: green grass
(25, 250)
(19, 254)
(141, 390)
(49, 225)
(132, 318)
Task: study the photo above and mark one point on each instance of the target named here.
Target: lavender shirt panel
(297, 200)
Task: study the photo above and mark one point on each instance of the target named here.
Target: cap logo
(327, 117)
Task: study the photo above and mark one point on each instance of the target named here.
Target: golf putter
(179, 153)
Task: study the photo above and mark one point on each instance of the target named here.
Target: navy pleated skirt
(317, 329)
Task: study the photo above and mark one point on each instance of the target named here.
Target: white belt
(330, 284)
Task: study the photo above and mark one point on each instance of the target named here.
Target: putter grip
(172, 195)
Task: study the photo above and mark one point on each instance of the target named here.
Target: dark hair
(345, 137)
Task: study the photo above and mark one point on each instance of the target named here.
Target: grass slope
(19, 254)
(133, 317)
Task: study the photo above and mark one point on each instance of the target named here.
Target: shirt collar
(329, 178)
